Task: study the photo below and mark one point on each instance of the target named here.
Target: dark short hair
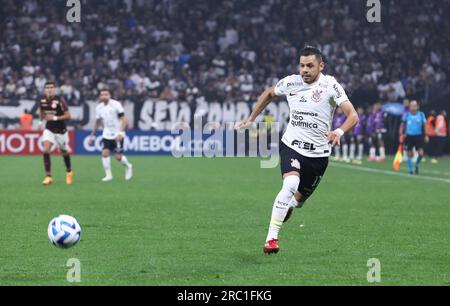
(50, 84)
(105, 89)
(310, 50)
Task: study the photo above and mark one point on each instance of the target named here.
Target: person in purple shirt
(338, 120)
(370, 124)
(358, 137)
(380, 130)
(374, 130)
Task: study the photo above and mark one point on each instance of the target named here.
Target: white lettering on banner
(161, 115)
(173, 114)
(17, 143)
(145, 120)
(215, 112)
(132, 144)
(15, 149)
(31, 138)
(139, 143)
(184, 113)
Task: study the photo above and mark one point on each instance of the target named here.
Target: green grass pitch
(203, 222)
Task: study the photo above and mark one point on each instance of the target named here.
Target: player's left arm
(341, 99)
(352, 120)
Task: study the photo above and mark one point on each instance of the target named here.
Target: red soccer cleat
(271, 247)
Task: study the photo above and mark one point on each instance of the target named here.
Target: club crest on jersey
(316, 96)
(54, 104)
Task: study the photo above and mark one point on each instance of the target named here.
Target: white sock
(345, 152)
(124, 161)
(360, 151)
(352, 151)
(382, 153)
(107, 165)
(373, 153)
(281, 205)
(337, 152)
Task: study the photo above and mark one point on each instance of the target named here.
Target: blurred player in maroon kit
(53, 109)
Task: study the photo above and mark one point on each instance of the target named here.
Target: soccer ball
(64, 231)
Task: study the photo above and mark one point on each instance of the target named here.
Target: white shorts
(60, 140)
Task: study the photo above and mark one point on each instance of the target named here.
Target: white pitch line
(418, 177)
(435, 172)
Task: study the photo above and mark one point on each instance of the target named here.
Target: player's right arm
(264, 100)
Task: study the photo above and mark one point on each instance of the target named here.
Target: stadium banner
(135, 143)
(14, 142)
(152, 114)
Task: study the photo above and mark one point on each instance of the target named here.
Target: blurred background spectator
(224, 50)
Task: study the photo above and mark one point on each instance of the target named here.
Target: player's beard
(311, 79)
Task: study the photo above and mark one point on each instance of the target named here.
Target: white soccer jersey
(312, 108)
(109, 113)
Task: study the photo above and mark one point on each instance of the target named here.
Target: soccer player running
(53, 109)
(111, 113)
(307, 142)
(412, 133)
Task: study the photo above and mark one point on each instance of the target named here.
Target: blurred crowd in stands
(223, 50)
